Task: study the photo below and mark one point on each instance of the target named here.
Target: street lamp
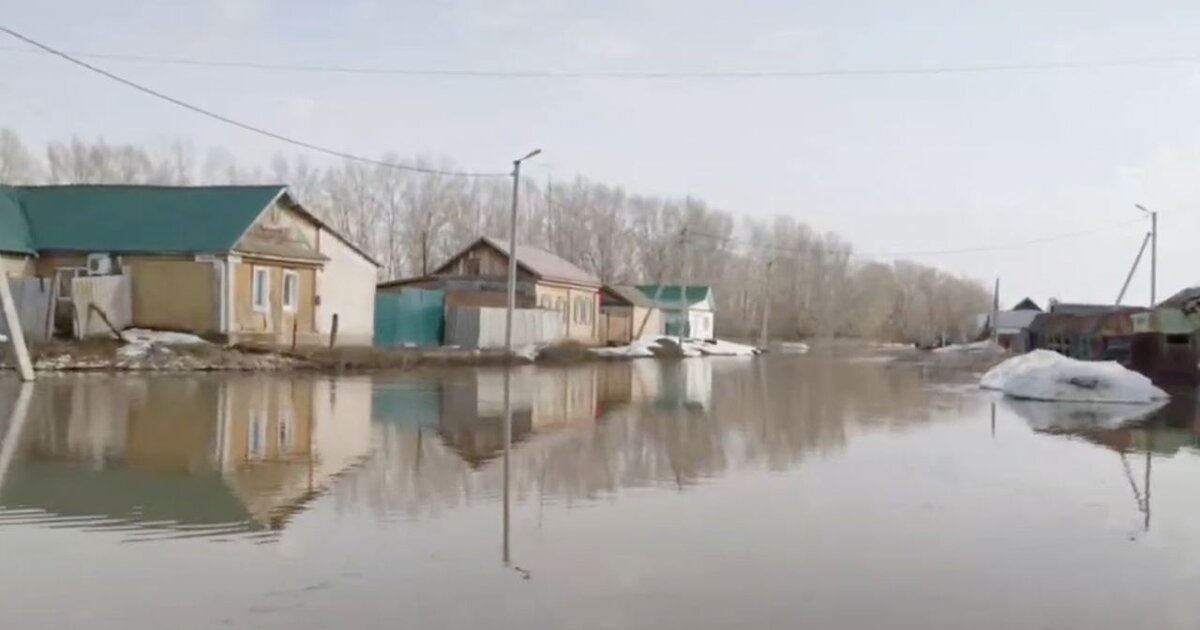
(1153, 253)
(506, 555)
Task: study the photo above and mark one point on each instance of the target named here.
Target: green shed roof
(164, 219)
(670, 293)
(14, 232)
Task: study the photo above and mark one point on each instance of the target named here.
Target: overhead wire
(633, 75)
(902, 254)
(236, 123)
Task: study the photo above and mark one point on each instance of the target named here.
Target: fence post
(295, 323)
(333, 332)
(15, 335)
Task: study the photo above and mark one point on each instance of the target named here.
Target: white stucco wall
(346, 286)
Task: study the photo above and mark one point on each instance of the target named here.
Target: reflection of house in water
(205, 454)
(472, 407)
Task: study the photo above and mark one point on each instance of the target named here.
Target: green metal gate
(412, 317)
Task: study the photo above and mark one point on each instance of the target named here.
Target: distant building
(687, 311)
(1012, 326)
(477, 277)
(627, 314)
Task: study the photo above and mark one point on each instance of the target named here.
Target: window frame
(256, 272)
(294, 277)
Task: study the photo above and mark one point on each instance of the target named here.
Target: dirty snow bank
(979, 347)
(1069, 380)
(996, 377)
(142, 340)
(670, 346)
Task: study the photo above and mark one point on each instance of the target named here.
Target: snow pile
(1069, 380)
(671, 346)
(142, 340)
(996, 377)
(529, 352)
(979, 347)
(1079, 416)
(639, 349)
(718, 348)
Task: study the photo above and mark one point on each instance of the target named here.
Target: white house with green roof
(687, 310)
(243, 263)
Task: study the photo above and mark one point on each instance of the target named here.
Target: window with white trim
(260, 288)
(291, 290)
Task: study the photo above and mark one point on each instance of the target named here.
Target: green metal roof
(161, 219)
(14, 232)
(670, 293)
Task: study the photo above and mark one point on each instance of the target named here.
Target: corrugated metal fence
(484, 327)
(111, 295)
(412, 317)
(33, 297)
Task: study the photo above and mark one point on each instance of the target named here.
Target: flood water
(780, 492)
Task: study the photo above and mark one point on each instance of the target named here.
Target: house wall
(621, 324)
(175, 295)
(17, 265)
(345, 286)
(563, 299)
(274, 325)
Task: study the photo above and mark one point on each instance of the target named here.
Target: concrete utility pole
(1153, 254)
(762, 334)
(508, 345)
(16, 337)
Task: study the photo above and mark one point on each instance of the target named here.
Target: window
(291, 290)
(561, 305)
(65, 275)
(547, 302)
(261, 288)
(256, 435)
(583, 311)
(1181, 340)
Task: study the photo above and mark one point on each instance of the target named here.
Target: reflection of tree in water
(734, 415)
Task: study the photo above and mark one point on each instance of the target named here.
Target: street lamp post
(1153, 254)
(506, 554)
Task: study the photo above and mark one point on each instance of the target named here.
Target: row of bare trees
(813, 283)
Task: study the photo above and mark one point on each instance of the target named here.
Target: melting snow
(1068, 380)
(141, 340)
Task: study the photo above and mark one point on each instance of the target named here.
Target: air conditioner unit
(99, 265)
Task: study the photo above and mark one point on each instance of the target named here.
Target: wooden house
(626, 314)
(477, 277)
(243, 263)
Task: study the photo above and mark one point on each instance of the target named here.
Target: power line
(577, 74)
(239, 124)
(965, 250)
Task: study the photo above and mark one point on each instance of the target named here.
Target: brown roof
(535, 260)
(629, 294)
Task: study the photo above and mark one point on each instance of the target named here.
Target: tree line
(812, 282)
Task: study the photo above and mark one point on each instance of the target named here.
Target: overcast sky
(892, 163)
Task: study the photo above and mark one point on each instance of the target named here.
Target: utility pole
(762, 334)
(995, 333)
(1153, 254)
(683, 305)
(508, 345)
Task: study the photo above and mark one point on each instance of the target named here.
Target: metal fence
(412, 317)
(34, 298)
(484, 327)
(99, 297)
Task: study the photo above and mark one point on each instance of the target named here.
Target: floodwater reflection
(702, 493)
